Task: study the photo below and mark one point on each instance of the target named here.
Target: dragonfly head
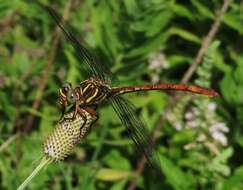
(67, 95)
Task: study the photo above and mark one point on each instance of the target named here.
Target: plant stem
(44, 162)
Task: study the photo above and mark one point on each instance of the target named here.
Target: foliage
(141, 41)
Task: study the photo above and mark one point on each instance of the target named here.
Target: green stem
(8, 142)
(44, 162)
(89, 176)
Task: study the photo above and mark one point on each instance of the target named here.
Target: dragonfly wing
(83, 54)
(136, 129)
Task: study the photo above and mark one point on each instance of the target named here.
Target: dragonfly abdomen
(180, 87)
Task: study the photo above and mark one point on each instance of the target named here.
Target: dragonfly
(90, 93)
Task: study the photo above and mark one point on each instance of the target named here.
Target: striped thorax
(93, 91)
(90, 92)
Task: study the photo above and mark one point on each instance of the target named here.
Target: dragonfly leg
(92, 112)
(62, 115)
(80, 112)
(84, 128)
(70, 118)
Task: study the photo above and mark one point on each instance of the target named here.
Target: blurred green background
(199, 141)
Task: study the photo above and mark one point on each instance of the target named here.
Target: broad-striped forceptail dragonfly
(93, 91)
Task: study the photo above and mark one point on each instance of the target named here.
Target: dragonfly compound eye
(65, 94)
(66, 87)
(65, 90)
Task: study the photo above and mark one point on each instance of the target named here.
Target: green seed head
(66, 135)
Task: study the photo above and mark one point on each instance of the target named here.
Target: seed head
(67, 134)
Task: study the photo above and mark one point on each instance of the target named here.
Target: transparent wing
(124, 109)
(83, 54)
(136, 129)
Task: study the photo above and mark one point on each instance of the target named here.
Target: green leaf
(115, 157)
(148, 46)
(184, 34)
(233, 21)
(158, 23)
(202, 9)
(235, 182)
(183, 11)
(106, 174)
(178, 179)
(231, 86)
(131, 6)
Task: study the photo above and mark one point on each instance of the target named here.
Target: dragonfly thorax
(89, 92)
(93, 91)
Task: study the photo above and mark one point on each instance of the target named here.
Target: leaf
(184, 34)
(115, 157)
(184, 137)
(183, 11)
(158, 23)
(131, 6)
(177, 59)
(202, 9)
(120, 185)
(148, 46)
(73, 73)
(231, 86)
(106, 174)
(233, 21)
(219, 163)
(235, 182)
(178, 179)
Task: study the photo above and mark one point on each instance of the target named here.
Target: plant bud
(59, 144)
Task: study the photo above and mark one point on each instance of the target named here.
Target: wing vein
(136, 129)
